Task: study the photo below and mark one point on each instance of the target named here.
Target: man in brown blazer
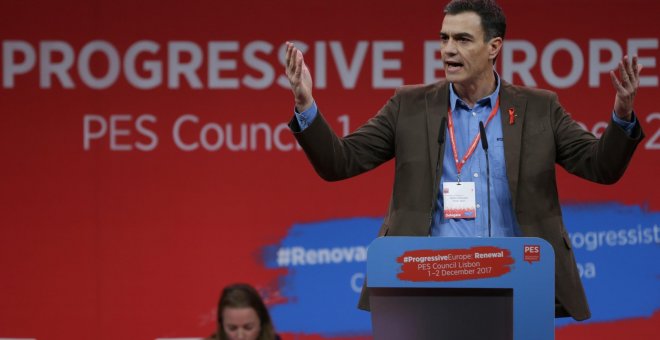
(537, 133)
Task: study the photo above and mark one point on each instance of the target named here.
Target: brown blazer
(407, 129)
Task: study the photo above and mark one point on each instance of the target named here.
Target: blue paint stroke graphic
(618, 251)
(326, 262)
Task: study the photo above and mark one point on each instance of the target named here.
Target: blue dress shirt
(466, 127)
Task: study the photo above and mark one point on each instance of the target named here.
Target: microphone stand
(484, 145)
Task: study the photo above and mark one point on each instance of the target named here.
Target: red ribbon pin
(512, 116)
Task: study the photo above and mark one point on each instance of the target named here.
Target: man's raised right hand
(299, 78)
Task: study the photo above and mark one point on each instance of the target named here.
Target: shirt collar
(454, 99)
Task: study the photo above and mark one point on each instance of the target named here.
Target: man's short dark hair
(492, 17)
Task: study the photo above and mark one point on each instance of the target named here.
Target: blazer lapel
(437, 101)
(512, 128)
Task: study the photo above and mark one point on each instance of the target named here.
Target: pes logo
(532, 253)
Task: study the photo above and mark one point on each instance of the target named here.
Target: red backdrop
(110, 229)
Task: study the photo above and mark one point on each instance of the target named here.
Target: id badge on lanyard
(459, 200)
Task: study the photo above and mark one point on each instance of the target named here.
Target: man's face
(466, 56)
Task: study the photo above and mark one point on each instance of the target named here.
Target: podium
(461, 288)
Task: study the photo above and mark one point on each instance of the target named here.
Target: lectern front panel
(466, 314)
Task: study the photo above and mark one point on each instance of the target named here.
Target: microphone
(443, 129)
(484, 145)
(484, 139)
(436, 182)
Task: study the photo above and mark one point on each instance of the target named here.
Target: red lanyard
(452, 137)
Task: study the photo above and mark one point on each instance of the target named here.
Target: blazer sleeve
(335, 158)
(602, 160)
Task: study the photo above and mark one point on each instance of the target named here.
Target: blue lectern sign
(460, 273)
